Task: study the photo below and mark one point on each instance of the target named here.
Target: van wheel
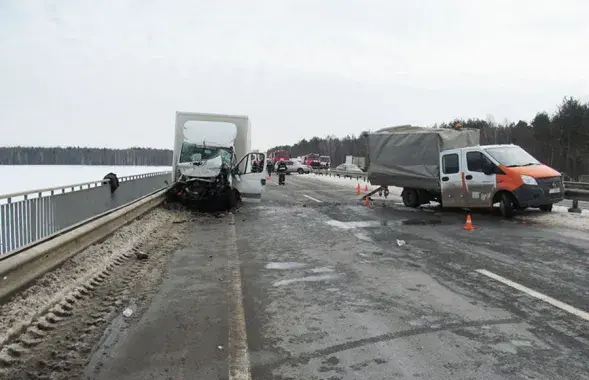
(410, 198)
(546, 208)
(300, 171)
(507, 205)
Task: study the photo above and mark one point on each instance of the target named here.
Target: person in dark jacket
(281, 170)
(270, 167)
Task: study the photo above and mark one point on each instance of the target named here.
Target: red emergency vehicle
(280, 155)
(312, 159)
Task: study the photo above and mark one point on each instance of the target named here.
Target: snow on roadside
(351, 183)
(560, 217)
(21, 311)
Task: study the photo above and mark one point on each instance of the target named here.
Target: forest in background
(21, 155)
(560, 140)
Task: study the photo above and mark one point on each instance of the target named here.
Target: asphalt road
(309, 284)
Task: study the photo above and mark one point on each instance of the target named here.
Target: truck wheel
(546, 208)
(300, 171)
(410, 198)
(507, 205)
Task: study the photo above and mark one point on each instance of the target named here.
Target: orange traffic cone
(468, 225)
(366, 188)
(358, 189)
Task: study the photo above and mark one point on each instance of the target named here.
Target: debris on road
(141, 255)
(128, 312)
(400, 243)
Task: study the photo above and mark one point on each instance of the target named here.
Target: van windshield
(192, 152)
(512, 156)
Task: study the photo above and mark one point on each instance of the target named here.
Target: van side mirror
(488, 168)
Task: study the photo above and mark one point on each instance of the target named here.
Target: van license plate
(555, 190)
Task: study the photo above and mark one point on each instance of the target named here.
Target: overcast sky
(113, 72)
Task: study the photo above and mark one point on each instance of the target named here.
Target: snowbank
(20, 311)
(347, 182)
(560, 217)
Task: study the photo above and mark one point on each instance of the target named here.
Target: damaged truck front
(206, 172)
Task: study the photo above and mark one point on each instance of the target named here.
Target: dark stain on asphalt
(421, 222)
(306, 357)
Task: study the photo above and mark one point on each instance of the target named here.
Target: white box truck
(213, 165)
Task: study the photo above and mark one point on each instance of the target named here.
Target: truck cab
(482, 176)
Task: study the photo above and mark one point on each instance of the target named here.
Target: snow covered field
(17, 178)
(559, 217)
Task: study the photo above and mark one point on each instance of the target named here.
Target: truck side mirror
(488, 168)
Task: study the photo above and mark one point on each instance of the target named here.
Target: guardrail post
(575, 207)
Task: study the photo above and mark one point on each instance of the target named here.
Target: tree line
(560, 140)
(23, 155)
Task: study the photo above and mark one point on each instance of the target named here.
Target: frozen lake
(17, 178)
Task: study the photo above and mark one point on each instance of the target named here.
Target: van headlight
(529, 180)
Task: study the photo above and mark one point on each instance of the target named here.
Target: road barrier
(21, 267)
(30, 216)
(575, 191)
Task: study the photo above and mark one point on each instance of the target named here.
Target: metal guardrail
(576, 185)
(575, 191)
(37, 214)
(342, 173)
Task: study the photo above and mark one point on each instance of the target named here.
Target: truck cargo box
(409, 156)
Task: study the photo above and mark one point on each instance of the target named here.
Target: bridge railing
(32, 215)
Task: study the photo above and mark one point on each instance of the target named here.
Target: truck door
(450, 178)
(251, 179)
(479, 186)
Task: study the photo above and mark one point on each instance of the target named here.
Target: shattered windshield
(512, 156)
(194, 153)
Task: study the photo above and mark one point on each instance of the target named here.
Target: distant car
(296, 167)
(350, 168)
